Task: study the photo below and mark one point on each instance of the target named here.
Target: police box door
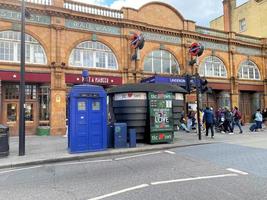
(89, 123)
(95, 123)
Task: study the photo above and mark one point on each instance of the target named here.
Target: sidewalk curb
(76, 157)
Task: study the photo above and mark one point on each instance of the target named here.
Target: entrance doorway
(249, 102)
(10, 105)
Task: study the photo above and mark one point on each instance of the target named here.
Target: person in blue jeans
(236, 119)
(209, 120)
(258, 119)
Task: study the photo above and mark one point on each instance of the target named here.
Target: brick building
(248, 18)
(64, 37)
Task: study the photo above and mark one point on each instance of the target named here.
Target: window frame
(32, 48)
(99, 52)
(152, 58)
(242, 25)
(209, 70)
(248, 65)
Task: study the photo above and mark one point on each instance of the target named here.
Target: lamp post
(22, 84)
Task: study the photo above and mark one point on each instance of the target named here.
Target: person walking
(258, 119)
(208, 119)
(236, 119)
(228, 121)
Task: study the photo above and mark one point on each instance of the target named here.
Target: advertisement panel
(160, 115)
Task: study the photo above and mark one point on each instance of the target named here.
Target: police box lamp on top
(85, 76)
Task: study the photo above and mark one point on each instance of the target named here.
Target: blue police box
(87, 125)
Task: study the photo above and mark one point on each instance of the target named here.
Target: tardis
(87, 127)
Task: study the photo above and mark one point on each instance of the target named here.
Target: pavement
(52, 149)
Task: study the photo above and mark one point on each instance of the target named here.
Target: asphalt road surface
(223, 171)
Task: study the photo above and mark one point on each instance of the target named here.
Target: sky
(202, 12)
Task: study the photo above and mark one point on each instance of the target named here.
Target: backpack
(238, 114)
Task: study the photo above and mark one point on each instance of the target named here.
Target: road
(223, 171)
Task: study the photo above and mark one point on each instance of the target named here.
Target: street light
(22, 84)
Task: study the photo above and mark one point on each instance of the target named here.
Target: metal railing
(94, 10)
(43, 2)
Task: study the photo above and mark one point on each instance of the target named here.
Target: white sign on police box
(130, 96)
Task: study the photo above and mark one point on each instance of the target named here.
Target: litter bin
(120, 135)
(4, 141)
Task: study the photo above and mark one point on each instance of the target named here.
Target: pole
(22, 85)
(198, 90)
(198, 113)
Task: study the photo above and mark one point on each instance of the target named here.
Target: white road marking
(81, 162)
(237, 171)
(20, 169)
(170, 152)
(139, 155)
(192, 179)
(119, 192)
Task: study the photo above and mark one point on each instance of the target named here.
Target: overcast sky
(199, 11)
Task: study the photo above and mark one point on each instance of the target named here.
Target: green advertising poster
(161, 122)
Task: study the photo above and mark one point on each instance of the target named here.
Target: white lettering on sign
(179, 96)
(130, 96)
(161, 117)
(101, 80)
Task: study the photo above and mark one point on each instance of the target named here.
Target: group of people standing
(224, 120)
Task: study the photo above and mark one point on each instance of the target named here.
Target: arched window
(10, 48)
(93, 55)
(212, 67)
(248, 70)
(161, 61)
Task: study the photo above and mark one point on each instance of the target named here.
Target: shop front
(37, 99)
(251, 98)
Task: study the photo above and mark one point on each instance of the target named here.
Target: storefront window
(10, 48)
(12, 92)
(93, 55)
(161, 61)
(248, 70)
(212, 67)
(28, 112)
(11, 112)
(44, 99)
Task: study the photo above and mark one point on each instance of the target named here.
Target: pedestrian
(237, 116)
(182, 124)
(264, 116)
(209, 120)
(228, 121)
(258, 119)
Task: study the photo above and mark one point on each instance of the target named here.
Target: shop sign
(162, 38)
(160, 111)
(130, 96)
(88, 26)
(161, 137)
(15, 15)
(98, 80)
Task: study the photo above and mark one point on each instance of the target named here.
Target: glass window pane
(100, 59)
(10, 48)
(11, 112)
(157, 65)
(28, 112)
(162, 62)
(95, 54)
(166, 66)
(148, 64)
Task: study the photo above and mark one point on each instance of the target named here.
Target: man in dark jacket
(208, 119)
